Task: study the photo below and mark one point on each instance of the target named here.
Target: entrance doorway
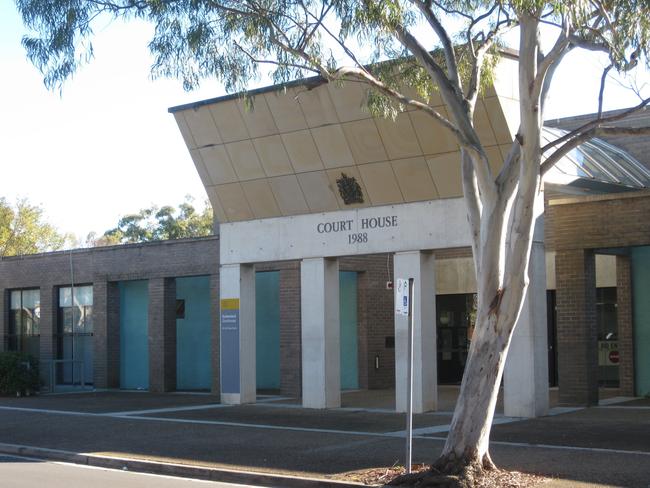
(74, 356)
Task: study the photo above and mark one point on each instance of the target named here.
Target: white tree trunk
(502, 243)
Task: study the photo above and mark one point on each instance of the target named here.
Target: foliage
(18, 373)
(23, 230)
(153, 224)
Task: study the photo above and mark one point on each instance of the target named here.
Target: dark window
(180, 309)
(456, 316)
(23, 331)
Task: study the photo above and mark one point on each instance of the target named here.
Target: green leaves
(23, 230)
(154, 223)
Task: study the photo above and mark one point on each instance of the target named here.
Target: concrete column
(321, 330)
(106, 321)
(525, 380)
(419, 266)
(162, 334)
(577, 336)
(237, 334)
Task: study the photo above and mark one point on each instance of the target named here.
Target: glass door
(74, 362)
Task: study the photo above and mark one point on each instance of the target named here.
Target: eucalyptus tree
(24, 230)
(403, 50)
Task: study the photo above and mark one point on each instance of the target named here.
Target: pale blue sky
(108, 147)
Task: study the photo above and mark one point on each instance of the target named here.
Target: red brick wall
(577, 339)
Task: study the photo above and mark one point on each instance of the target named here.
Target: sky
(106, 146)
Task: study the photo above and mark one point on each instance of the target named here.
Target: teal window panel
(349, 330)
(194, 334)
(134, 335)
(267, 329)
(641, 317)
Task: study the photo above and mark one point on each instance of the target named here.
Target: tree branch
(595, 123)
(447, 45)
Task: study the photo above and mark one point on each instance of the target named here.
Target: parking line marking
(166, 410)
(329, 431)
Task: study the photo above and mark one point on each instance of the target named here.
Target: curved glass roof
(598, 161)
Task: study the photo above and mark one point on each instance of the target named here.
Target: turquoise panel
(194, 334)
(641, 313)
(349, 338)
(134, 343)
(267, 329)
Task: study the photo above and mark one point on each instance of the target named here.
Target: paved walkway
(603, 446)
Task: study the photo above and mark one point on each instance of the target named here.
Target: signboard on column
(230, 345)
(402, 297)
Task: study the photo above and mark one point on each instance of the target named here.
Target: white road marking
(126, 472)
(166, 410)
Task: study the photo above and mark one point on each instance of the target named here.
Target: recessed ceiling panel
(245, 161)
(234, 202)
(286, 111)
(217, 163)
(332, 146)
(482, 125)
(260, 198)
(202, 126)
(288, 195)
(414, 179)
(258, 118)
(273, 156)
(229, 121)
(445, 170)
(349, 100)
(185, 130)
(317, 191)
(433, 137)
(399, 137)
(381, 184)
(317, 106)
(302, 151)
(364, 141)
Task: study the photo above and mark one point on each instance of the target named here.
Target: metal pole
(72, 317)
(409, 381)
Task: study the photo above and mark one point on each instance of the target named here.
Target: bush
(18, 373)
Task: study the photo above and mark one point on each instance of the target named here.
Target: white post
(321, 352)
(525, 381)
(237, 334)
(419, 266)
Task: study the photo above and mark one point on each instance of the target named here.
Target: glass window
(24, 321)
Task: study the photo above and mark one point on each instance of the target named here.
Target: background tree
(344, 40)
(23, 230)
(154, 224)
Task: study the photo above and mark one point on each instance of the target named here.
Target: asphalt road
(19, 472)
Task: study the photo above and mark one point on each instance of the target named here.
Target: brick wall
(103, 267)
(375, 318)
(603, 221)
(162, 334)
(575, 229)
(577, 339)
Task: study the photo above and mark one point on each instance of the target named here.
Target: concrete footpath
(276, 443)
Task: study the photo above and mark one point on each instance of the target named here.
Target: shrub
(18, 373)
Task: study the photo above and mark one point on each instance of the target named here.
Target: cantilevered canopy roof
(312, 147)
(596, 165)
